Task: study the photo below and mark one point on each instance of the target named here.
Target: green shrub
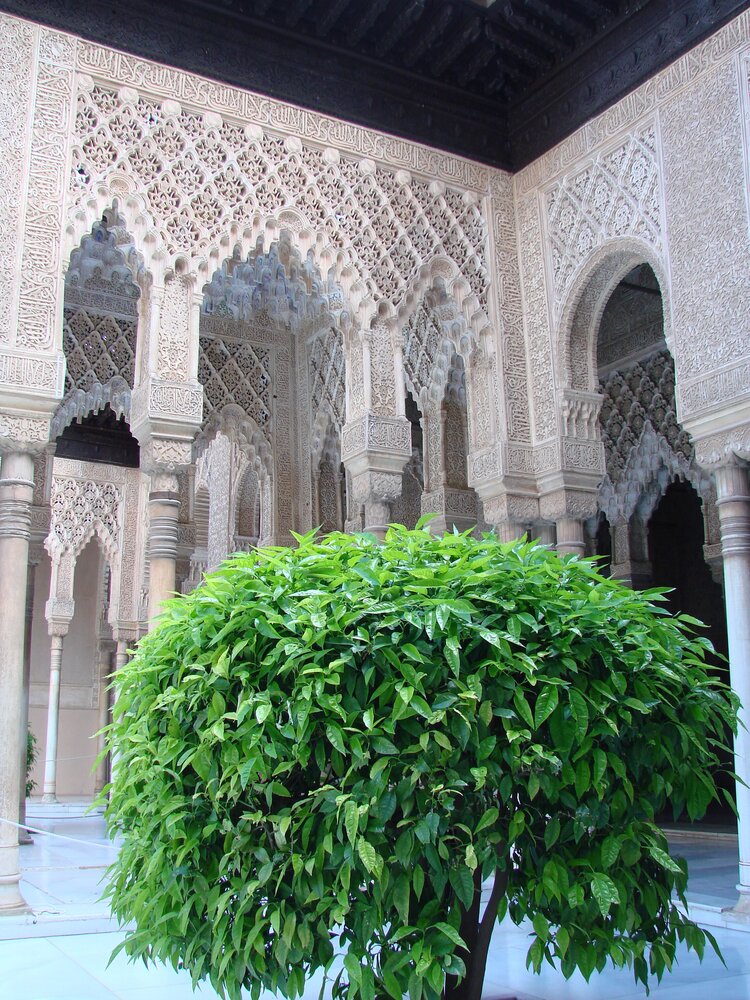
(31, 755)
(330, 747)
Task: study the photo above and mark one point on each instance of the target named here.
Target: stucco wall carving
(174, 330)
(708, 232)
(41, 263)
(19, 430)
(202, 173)
(169, 83)
(537, 323)
(30, 372)
(717, 389)
(617, 194)
(507, 290)
(87, 499)
(16, 70)
(327, 374)
(638, 105)
(80, 508)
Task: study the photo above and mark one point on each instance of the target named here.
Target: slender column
(105, 668)
(510, 531)
(570, 536)
(121, 658)
(16, 491)
(121, 654)
(734, 516)
(340, 511)
(164, 509)
(24, 837)
(316, 518)
(57, 636)
(544, 532)
(377, 516)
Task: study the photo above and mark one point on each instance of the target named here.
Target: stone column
(24, 837)
(57, 630)
(570, 508)
(16, 491)
(571, 537)
(105, 676)
(733, 492)
(510, 514)
(164, 511)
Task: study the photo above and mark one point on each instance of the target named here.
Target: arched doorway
(656, 506)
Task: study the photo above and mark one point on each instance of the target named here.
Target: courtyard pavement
(61, 949)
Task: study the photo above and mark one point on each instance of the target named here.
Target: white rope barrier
(58, 836)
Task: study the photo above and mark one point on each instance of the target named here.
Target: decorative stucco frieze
(16, 78)
(31, 373)
(288, 120)
(201, 174)
(44, 204)
(618, 193)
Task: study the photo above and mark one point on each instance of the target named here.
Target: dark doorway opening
(100, 437)
(675, 540)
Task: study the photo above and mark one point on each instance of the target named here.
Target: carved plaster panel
(709, 240)
(617, 194)
(168, 83)
(16, 74)
(31, 373)
(200, 174)
(23, 432)
(41, 260)
(387, 434)
(507, 289)
(79, 508)
(714, 390)
(537, 321)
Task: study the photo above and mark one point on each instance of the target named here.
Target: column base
(12, 902)
(49, 798)
(742, 906)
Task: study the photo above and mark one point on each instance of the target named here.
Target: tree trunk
(477, 935)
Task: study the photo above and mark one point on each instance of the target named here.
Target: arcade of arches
(230, 319)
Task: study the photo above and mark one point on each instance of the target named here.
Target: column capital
(724, 448)
(376, 442)
(59, 614)
(165, 455)
(163, 410)
(732, 482)
(566, 503)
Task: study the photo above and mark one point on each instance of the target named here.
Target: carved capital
(568, 504)
(59, 614)
(164, 456)
(163, 409)
(724, 448)
(376, 442)
(23, 431)
(504, 509)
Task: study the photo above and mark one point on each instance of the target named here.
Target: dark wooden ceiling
(499, 82)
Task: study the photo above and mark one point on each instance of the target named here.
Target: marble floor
(61, 950)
